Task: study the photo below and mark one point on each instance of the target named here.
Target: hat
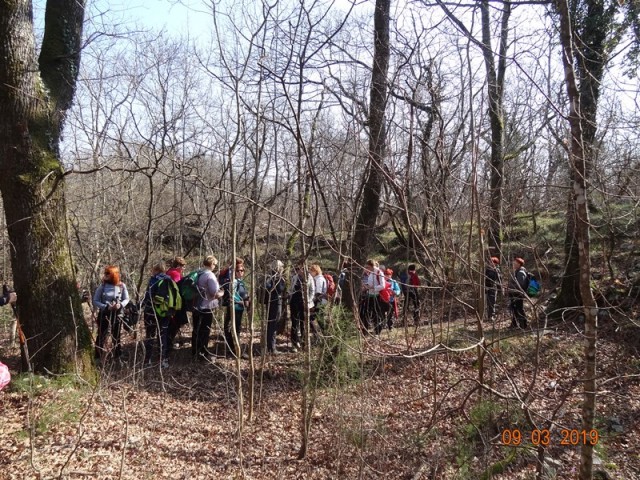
(388, 271)
(495, 260)
(519, 260)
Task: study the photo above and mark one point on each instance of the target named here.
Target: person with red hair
(110, 299)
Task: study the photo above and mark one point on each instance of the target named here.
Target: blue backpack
(533, 286)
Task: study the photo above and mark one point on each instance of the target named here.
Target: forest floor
(404, 405)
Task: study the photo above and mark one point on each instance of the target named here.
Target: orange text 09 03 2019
(567, 437)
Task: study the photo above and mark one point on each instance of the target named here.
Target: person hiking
(209, 292)
(392, 314)
(320, 297)
(110, 298)
(373, 282)
(180, 318)
(274, 290)
(518, 282)
(492, 283)
(412, 299)
(155, 325)
(299, 311)
(240, 296)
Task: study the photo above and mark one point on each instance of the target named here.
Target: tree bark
(495, 87)
(590, 58)
(582, 126)
(33, 101)
(370, 206)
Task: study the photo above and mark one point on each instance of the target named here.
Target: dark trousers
(202, 321)
(412, 304)
(518, 317)
(156, 328)
(392, 314)
(373, 312)
(492, 296)
(228, 333)
(109, 321)
(273, 318)
(175, 323)
(297, 322)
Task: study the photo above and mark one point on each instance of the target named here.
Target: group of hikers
(171, 294)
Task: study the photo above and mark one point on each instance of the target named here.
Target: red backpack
(331, 285)
(386, 292)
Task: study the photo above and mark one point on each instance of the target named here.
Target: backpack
(533, 286)
(131, 316)
(331, 285)
(165, 297)
(188, 287)
(224, 279)
(404, 280)
(385, 293)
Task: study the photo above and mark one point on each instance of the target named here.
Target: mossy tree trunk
(370, 205)
(592, 22)
(35, 94)
(584, 31)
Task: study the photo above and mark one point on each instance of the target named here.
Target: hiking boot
(164, 363)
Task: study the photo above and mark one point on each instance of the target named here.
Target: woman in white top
(320, 285)
(206, 304)
(373, 282)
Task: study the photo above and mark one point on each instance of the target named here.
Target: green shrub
(336, 361)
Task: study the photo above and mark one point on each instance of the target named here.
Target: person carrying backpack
(274, 290)
(159, 302)
(492, 283)
(375, 309)
(110, 298)
(297, 304)
(412, 299)
(234, 309)
(394, 298)
(518, 283)
(205, 304)
(176, 272)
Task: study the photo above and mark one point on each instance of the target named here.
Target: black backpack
(224, 279)
(131, 316)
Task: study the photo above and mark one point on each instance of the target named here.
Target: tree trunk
(370, 205)
(495, 87)
(582, 126)
(590, 58)
(33, 102)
